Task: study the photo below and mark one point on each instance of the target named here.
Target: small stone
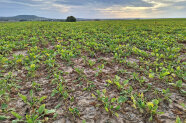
(68, 121)
(168, 121)
(60, 121)
(23, 52)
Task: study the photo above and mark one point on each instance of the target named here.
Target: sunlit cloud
(60, 8)
(153, 11)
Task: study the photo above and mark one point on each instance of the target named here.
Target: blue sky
(95, 8)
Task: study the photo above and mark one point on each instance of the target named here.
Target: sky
(95, 8)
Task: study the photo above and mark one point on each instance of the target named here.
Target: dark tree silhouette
(71, 19)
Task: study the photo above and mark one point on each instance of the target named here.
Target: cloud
(95, 8)
(23, 2)
(158, 8)
(47, 8)
(103, 3)
(57, 7)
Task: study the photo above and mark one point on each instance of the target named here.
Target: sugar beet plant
(54, 67)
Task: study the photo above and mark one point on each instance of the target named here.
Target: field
(128, 71)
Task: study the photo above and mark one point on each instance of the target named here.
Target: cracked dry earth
(90, 109)
(93, 114)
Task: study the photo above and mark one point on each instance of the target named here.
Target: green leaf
(182, 91)
(98, 92)
(173, 84)
(35, 117)
(93, 95)
(3, 117)
(84, 121)
(16, 115)
(106, 99)
(118, 107)
(15, 121)
(2, 92)
(178, 119)
(117, 78)
(122, 99)
(160, 112)
(151, 75)
(118, 84)
(104, 91)
(57, 106)
(116, 114)
(50, 111)
(54, 92)
(29, 121)
(111, 107)
(179, 83)
(125, 82)
(31, 93)
(183, 105)
(41, 109)
(109, 81)
(4, 106)
(166, 73)
(155, 101)
(106, 109)
(113, 100)
(23, 97)
(150, 119)
(42, 98)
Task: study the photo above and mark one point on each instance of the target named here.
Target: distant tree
(71, 19)
(97, 20)
(22, 20)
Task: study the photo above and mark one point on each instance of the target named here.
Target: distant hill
(33, 18)
(27, 18)
(37, 18)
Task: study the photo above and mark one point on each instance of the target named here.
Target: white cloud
(142, 12)
(42, 4)
(38, 0)
(163, 1)
(60, 8)
(179, 7)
